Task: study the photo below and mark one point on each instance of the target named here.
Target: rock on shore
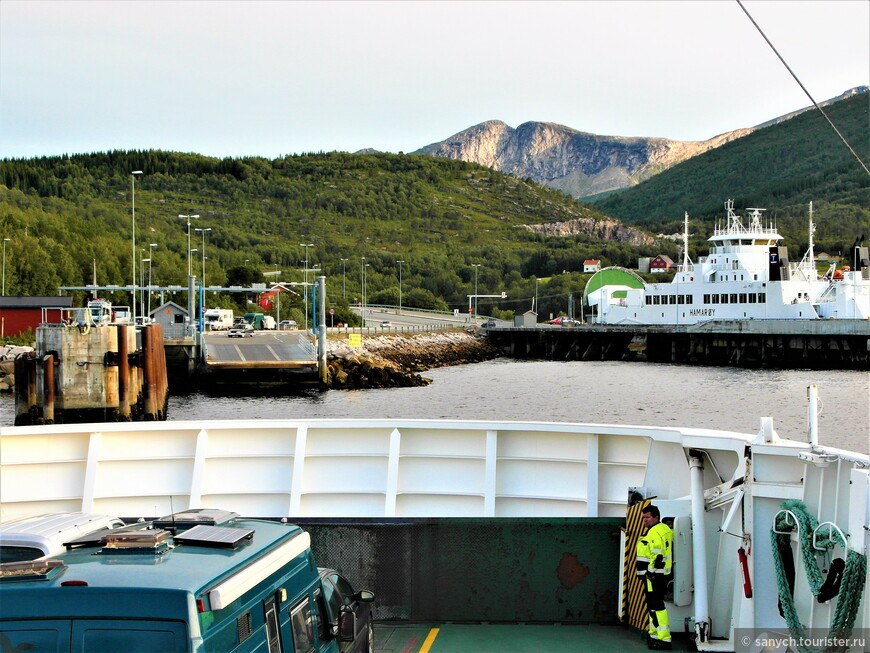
(395, 360)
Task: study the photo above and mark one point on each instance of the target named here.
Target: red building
(20, 314)
(661, 263)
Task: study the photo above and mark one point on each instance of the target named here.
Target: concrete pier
(786, 344)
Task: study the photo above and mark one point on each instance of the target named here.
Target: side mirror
(365, 596)
(346, 626)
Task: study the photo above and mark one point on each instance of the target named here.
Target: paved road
(265, 349)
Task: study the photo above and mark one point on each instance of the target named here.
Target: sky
(231, 79)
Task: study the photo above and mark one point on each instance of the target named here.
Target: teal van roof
(184, 567)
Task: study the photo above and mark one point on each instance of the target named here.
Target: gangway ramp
(266, 350)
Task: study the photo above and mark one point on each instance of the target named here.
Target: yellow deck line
(430, 639)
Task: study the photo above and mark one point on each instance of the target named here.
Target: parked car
(242, 330)
(563, 321)
(489, 324)
(386, 324)
(345, 605)
(286, 325)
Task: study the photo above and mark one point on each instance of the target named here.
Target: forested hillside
(782, 168)
(65, 216)
(68, 219)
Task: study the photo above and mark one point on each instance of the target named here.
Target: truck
(218, 319)
(198, 580)
(260, 321)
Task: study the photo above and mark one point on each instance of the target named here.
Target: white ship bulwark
(746, 276)
(730, 494)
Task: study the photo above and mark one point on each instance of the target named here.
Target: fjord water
(606, 392)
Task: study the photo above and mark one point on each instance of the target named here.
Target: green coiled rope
(854, 573)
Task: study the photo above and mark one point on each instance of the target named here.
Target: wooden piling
(123, 375)
(149, 373)
(48, 389)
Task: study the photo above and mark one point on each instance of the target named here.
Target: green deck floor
(509, 638)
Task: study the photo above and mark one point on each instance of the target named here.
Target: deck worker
(654, 561)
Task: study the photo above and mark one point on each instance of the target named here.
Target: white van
(28, 538)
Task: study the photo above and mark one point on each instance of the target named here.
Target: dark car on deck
(346, 607)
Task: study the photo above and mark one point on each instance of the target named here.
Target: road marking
(430, 639)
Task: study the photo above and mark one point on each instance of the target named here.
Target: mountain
(782, 168)
(578, 163)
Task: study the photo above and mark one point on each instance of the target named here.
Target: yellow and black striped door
(633, 590)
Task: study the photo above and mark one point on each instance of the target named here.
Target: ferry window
(715, 299)
(303, 626)
(689, 299)
(656, 300)
(743, 298)
(723, 299)
(681, 299)
(761, 298)
(751, 298)
(673, 299)
(648, 300)
(706, 299)
(734, 298)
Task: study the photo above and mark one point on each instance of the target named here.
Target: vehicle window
(333, 598)
(303, 626)
(344, 588)
(19, 553)
(273, 629)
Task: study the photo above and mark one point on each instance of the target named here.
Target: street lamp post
(362, 289)
(189, 218)
(133, 258)
(3, 292)
(344, 278)
(203, 254)
(305, 279)
(400, 285)
(151, 247)
(142, 262)
(475, 266)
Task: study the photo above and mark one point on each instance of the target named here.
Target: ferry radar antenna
(686, 262)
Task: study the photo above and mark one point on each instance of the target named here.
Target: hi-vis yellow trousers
(659, 626)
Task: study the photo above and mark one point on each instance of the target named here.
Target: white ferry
(746, 276)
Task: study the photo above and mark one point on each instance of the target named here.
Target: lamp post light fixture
(203, 252)
(344, 278)
(133, 257)
(188, 218)
(400, 285)
(3, 292)
(475, 266)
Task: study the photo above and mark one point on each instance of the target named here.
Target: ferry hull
(724, 490)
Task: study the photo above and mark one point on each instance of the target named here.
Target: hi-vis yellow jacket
(654, 551)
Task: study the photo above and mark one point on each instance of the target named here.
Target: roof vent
(29, 570)
(148, 541)
(190, 518)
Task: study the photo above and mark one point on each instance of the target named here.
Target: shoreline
(396, 360)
